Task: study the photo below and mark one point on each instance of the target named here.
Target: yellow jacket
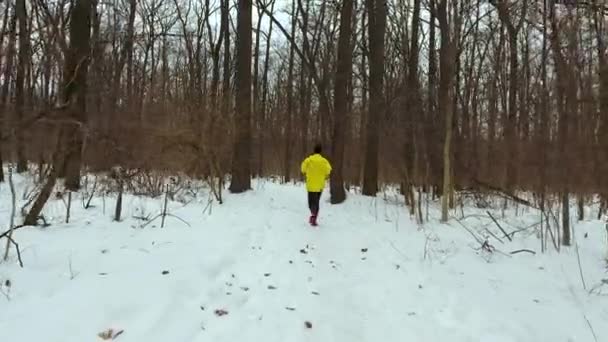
(317, 170)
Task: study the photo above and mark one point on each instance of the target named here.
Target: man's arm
(304, 166)
(327, 168)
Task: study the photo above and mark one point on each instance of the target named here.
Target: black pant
(313, 202)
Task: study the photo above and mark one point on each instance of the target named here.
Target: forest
(152, 187)
(438, 96)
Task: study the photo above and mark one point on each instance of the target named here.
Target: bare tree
(343, 70)
(290, 98)
(6, 76)
(241, 160)
(446, 67)
(20, 91)
(377, 12)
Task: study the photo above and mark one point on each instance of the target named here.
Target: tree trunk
(603, 101)
(31, 219)
(241, 161)
(446, 65)
(377, 12)
(290, 100)
(257, 114)
(264, 106)
(6, 78)
(76, 68)
(225, 24)
(343, 70)
(563, 77)
(22, 65)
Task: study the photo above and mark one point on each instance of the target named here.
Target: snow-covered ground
(253, 270)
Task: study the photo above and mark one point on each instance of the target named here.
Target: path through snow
(361, 276)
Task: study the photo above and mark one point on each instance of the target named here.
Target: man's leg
(317, 200)
(311, 204)
(316, 197)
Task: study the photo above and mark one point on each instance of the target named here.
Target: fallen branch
(494, 236)
(524, 250)
(512, 234)
(480, 241)
(163, 216)
(580, 268)
(503, 193)
(499, 226)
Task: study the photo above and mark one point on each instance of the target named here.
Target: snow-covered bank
(253, 270)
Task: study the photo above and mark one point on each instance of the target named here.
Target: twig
(426, 247)
(470, 232)
(5, 293)
(591, 328)
(179, 218)
(208, 206)
(580, 267)
(499, 226)
(494, 236)
(161, 215)
(504, 193)
(598, 286)
(91, 195)
(164, 214)
(524, 250)
(6, 233)
(9, 234)
(68, 207)
(512, 234)
(398, 251)
(72, 274)
(18, 250)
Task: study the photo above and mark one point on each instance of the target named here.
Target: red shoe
(313, 221)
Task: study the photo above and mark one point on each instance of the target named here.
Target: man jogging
(316, 169)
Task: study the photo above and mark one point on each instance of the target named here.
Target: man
(316, 169)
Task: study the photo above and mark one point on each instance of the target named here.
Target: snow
(368, 273)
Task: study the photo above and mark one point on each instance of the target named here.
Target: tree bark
(22, 65)
(225, 24)
(377, 12)
(290, 99)
(563, 78)
(264, 105)
(257, 114)
(241, 160)
(446, 65)
(75, 85)
(343, 70)
(6, 78)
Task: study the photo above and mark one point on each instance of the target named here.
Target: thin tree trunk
(264, 106)
(563, 77)
(430, 131)
(258, 115)
(6, 78)
(225, 24)
(446, 66)
(22, 65)
(290, 100)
